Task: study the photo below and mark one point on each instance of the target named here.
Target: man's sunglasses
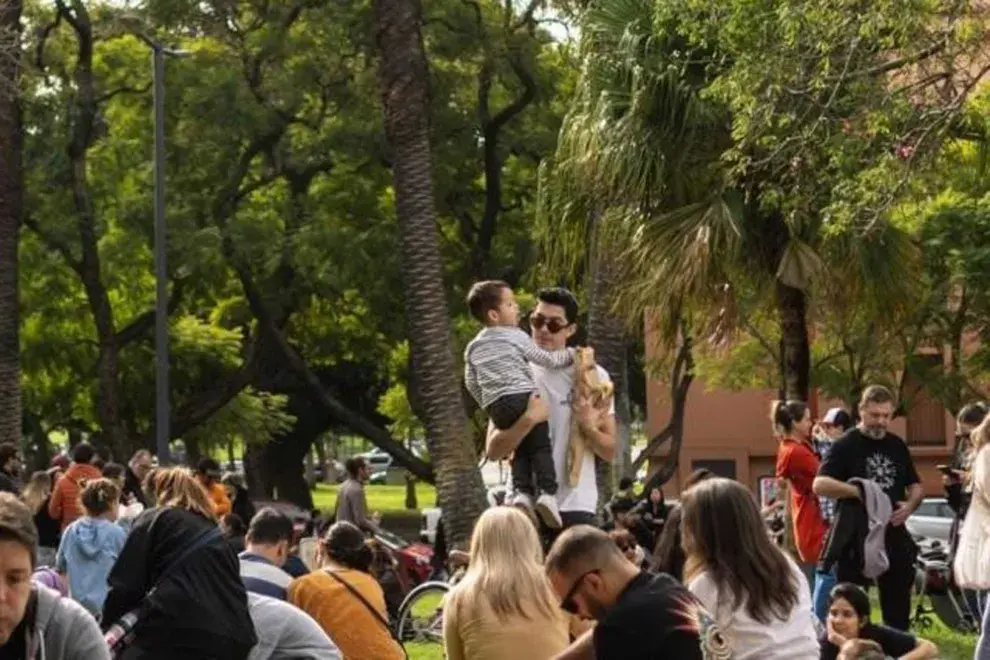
(553, 326)
(568, 604)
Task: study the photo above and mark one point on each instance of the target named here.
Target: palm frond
(631, 138)
(667, 260)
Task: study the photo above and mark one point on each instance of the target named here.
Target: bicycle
(420, 616)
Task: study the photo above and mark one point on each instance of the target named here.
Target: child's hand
(538, 411)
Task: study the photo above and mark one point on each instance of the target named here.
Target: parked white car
(932, 519)
(377, 459)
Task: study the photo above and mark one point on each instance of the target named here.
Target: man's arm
(915, 493)
(361, 513)
(834, 488)
(902, 510)
(583, 648)
(598, 427)
(500, 443)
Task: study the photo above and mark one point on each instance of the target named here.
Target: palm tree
(11, 182)
(646, 143)
(404, 86)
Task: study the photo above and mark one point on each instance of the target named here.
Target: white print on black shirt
(882, 470)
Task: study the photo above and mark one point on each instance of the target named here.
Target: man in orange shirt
(64, 503)
(208, 475)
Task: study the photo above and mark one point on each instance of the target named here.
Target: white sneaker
(523, 501)
(546, 508)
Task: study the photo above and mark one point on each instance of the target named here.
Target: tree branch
(144, 322)
(297, 364)
(52, 243)
(202, 405)
(123, 90)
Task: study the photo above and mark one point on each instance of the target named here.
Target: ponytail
(784, 415)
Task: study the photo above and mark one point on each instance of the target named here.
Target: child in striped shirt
(498, 376)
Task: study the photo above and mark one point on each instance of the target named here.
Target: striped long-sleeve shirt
(496, 363)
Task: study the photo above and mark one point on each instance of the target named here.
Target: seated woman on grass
(849, 619)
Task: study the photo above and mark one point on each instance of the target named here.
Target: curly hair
(99, 496)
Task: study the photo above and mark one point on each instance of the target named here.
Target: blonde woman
(972, 563)
(504, 608)
(36, 494)
(199, 608)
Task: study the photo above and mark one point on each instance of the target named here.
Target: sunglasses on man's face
(553, 325)
(568, 604)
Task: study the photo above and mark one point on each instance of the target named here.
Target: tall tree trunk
(681, 377)
(404, 87)
(11, 190)
(792, 306)
(284, 459)
(606, 335)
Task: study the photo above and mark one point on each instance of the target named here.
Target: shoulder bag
(370, 607)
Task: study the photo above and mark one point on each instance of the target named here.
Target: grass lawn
(386, 499)
(424, 651)
(952, 645)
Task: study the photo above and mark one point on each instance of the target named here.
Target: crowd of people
(101, 560)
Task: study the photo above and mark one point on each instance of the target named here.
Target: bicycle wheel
(421, 614)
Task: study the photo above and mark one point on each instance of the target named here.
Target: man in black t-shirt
(640, 616)
(869, 451)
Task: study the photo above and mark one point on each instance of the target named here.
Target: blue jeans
(819, 597)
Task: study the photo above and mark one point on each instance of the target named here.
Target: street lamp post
(162, 404)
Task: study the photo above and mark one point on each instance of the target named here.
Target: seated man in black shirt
(869, 451)
(640, 616)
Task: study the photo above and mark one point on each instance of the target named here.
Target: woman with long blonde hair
(199, 608)
(504, 607)
(971, 566)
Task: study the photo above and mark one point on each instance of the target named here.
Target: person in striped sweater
(498, 376)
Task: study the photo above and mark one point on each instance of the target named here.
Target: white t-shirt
(556, 387)
(792, 639)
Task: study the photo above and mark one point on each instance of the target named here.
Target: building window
(719, 468)
(925, 413)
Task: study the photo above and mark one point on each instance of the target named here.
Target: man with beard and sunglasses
(870, 451)
(553, 323)
(640, 616)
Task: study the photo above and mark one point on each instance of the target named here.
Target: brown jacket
(64, 503)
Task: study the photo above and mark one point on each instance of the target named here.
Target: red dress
(798, 464)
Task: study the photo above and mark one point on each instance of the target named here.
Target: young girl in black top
(849, 618)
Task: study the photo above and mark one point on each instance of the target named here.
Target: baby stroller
(937, 591)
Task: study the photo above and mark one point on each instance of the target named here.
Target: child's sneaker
(546, 509)
(523, 501)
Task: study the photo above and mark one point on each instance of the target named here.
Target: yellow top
(481, 635)
(353, 628)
